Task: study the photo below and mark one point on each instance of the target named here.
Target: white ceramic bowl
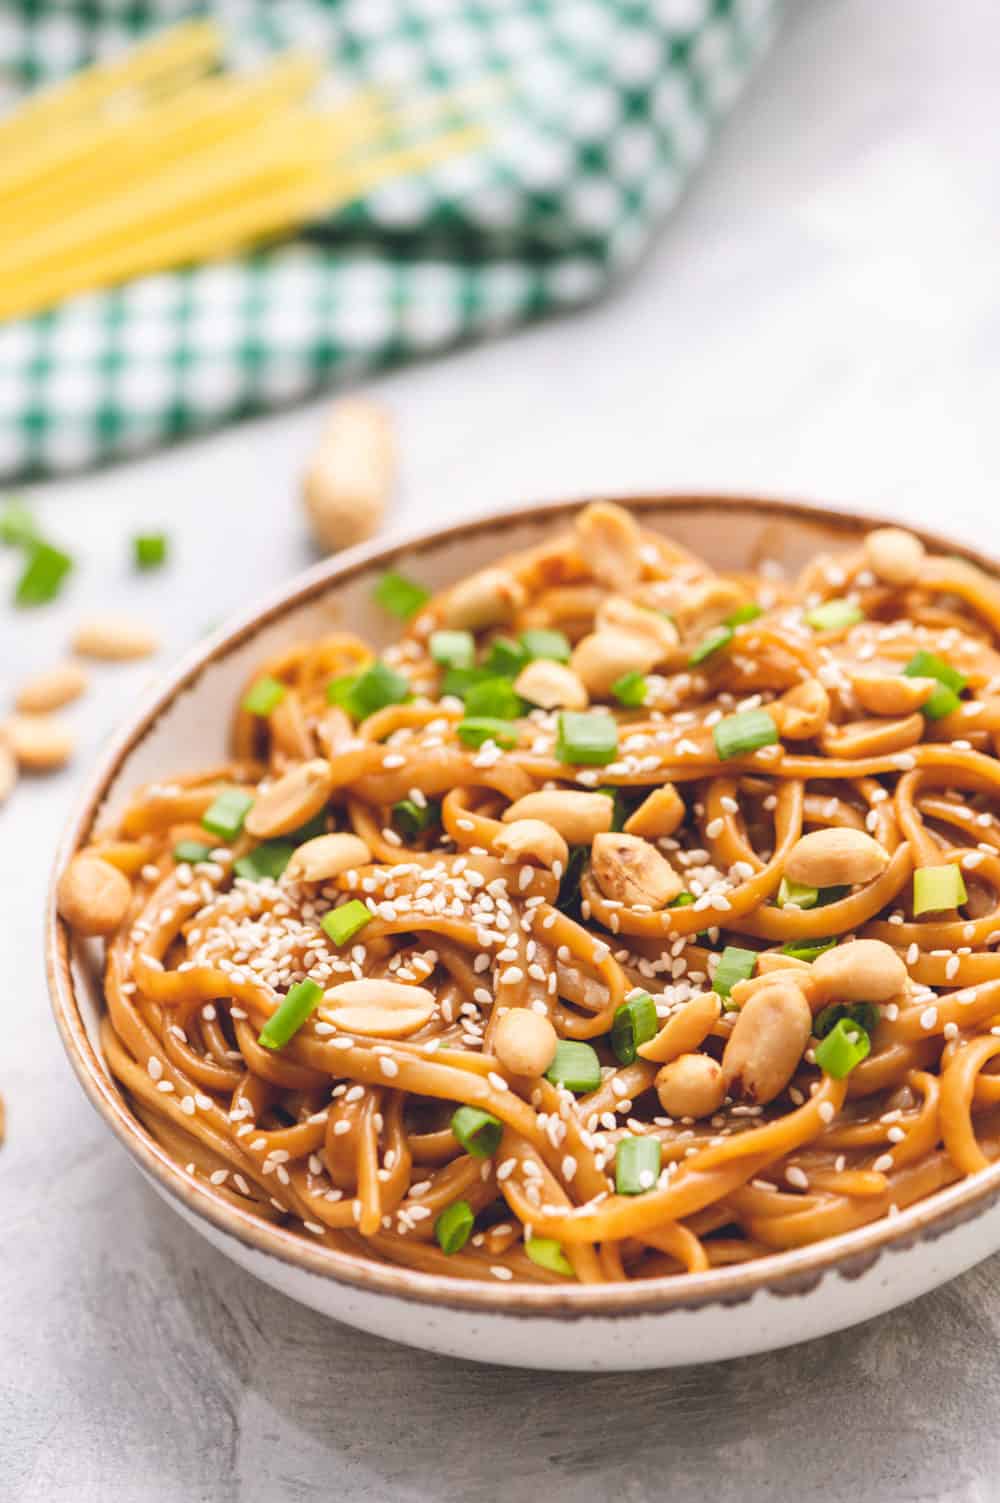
(726, 1312)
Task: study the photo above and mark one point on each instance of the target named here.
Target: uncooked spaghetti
(622, 920)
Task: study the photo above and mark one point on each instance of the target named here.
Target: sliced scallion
(478, 1132)
(745, 613)
(267, 860)
(745, 732)
(634, 1023)
(192, 851)
(495, 699)
(808, 949)
(590, 740)
(505, 657)
(299, 1004)
(264, 696)
(575, 1066)
(227, 811)
(453, 1228)
(541, 642)
(343, 923)
(453, 649)
(18, 527)
(400, 596)
(936, 889)
(149, 550)
(734, 965)
(474, 730)
(44, 571)
(412, 819)
(366, 693)
(844, 1047)
(637, 1165)
(834, 615)
(714, 642)
(631, 689)
(548, 1253)
(864, 1014)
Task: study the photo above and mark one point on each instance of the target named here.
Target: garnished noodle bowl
(622, 920)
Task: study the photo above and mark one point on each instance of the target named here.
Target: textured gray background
(821, 318)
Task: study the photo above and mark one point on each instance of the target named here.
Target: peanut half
(327, 856)
(532, 840)
(767, 1042)
(349, 480)
(659, 814)
(578, 817)
(291, 800)
(631, 871)
(51, 689)
(375, 1008)
(489, 598)
(609, 541)
(894, 555)
(551, 685)
(864, 970)
(835, 858)
(692, 1085)
(114, 639)
(92, 895)
(39, 742)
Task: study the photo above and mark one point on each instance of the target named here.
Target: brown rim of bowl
(794, 1272)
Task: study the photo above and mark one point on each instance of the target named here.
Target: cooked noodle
(345, 1136)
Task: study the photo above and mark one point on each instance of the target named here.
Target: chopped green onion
(682, 900)
(925, 664)
(400, 596)
(744, 613)
(808, 950)
(548, 1253)
(940, 702)
(864, 1014)
(18, 527)
(506, 658)
(937, 889)
(588, 739)
(631, 689)
(797, 895)
(413, 819)
(734, 965)
(539, 642)
(474, 730)
(458, 681)
(282, 1025)
(844, 1047)
(634, 1023)
(568, 901)
(714, 642)
(494, 698)
(363, 694)
(834, 615)
(637, 1165)
(268, 859)
(43, 574)
(342, 924)
(738, 735)
(576, 1066)
(226, 813)
(192, 851)
(453, 1228)
(264, 696)
(478, 1132)
(453, 649)
(149, 550)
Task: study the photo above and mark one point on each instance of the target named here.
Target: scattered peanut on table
(349, 480)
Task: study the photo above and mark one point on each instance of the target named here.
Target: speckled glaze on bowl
(726, 1312)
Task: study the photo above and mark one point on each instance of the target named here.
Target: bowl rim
(793, 1272)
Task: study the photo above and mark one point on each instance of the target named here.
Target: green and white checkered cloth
(608, 107)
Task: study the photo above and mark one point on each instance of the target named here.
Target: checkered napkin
(604, 108)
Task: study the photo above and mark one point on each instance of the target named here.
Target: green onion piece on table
(43, 574)
(284, 1024)
(18, 527)
(149, 550)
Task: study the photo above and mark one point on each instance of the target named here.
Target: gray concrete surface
(822, 318)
